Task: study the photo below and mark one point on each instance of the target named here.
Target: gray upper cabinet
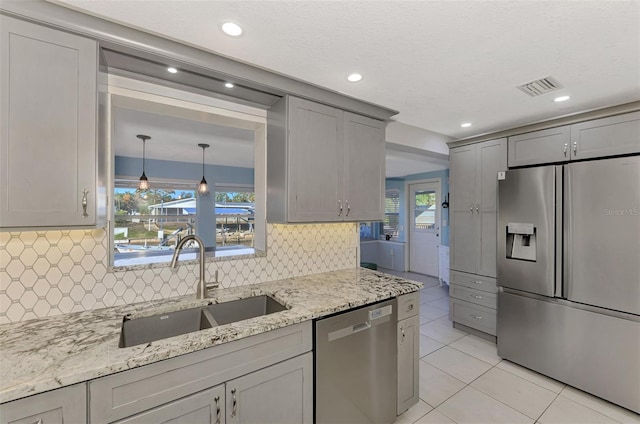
(474, 182)
(611, 136)
(324, 165)
(364, 170)
(65, 405)
(545, 146)
(615, 135)
(48, 121)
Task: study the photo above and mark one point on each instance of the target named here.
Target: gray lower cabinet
(206, 407)
(325, 164)
(67, 405)
(473, 301)
(259, 368)
(48, 121)
(281, 393)
(408, 351)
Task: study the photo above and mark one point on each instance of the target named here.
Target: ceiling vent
(541, 86)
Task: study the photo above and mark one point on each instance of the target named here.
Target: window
(391, 212)
(148, 224)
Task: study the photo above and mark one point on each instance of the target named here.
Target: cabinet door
(314, 162)
(408, 362)
(279, 394)
(66, 405)
(537, 147)
(206, 407)
(364, 170)
(47, 126)
(615, 135)
(462, 209)
(491, 157)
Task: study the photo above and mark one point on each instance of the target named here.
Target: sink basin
(250, 307)
(162, 326)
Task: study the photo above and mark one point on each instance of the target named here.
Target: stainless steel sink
(162, 326)
(250, 307)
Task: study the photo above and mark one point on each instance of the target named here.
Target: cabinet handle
(471, 208)
(348, 208)
(476, 316)
(339, 207)
(575, 148)
(217, 401)
(564, 149)
(477, 207)
(84, 203)
(475, 296)
(403, 335)
(477, 282)
(235, 403)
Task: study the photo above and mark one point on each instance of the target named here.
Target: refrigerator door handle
(566, 231)
(559, 248)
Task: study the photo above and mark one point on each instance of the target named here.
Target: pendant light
(203, 187)
(143, 184)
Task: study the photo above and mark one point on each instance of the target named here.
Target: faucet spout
(201, 288)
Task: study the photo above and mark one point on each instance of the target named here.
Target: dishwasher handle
(348, 331)
(361, 327)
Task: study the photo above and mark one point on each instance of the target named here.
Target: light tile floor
(462, 379)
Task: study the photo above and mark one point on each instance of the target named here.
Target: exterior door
(424, 230)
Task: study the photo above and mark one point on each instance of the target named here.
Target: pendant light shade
(203, 187)
(143, 184)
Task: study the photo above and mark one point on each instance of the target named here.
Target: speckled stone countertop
(45, 354)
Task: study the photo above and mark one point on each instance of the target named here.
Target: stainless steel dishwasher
(355, 366)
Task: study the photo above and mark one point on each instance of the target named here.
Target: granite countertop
(49, 353)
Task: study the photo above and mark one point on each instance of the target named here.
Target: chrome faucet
(203, 287)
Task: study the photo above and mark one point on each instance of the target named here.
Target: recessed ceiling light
(466, 125)
(172, 70)
(228, 85)
(354, 77)
(561, 99)
(232, 29)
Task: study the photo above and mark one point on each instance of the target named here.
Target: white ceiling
(440, 63)
(177, 139)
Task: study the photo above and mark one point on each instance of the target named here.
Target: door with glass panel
(424, 227)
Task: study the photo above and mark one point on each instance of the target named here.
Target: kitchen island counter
(49, 353)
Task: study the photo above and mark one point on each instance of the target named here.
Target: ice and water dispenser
(521, 241)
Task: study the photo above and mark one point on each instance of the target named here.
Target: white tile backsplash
(45, 273)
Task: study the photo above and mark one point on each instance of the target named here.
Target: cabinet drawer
(408, 305)
(474, 316)
(128, 393)
(474, 296)
(65, 405)
(474, 281)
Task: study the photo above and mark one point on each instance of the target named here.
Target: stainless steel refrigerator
(569, 274)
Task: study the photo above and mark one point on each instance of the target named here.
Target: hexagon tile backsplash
(48, 273)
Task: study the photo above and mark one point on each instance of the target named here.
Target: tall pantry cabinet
(473, 213)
